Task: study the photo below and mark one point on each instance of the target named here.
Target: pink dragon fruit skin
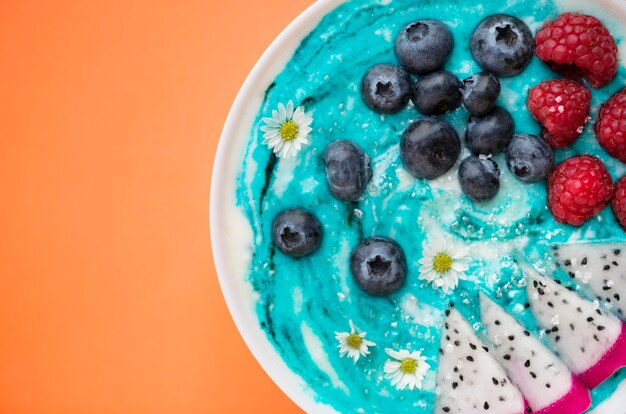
(545, 381)
(591, 341)
(613, 360)
(576, 401)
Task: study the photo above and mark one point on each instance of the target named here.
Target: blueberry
(378, 266)
(502, 44)
(386, 89)
(424, 46)
(347, 170)
(437, 93)
(429, 147)
(479, 178)
(480, 92)
(489, 134)
(296, 232)
(529, 158)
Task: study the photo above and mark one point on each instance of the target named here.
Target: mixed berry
(490, 133)
(479, 177)
(429, 147)
(386, 89)
(502, 44)
(347, 170)
(562, 109)
(576, 46)
(611, 126)
(437, 93)
(480, 92)
(423, 46)
(578, 189)
(296, 232)
(378, 266)
(619, 201)
(529, 158)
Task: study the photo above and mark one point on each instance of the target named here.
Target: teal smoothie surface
(302, 302)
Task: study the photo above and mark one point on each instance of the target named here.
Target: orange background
(110, 113)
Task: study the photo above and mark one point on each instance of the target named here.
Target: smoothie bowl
(416, 207)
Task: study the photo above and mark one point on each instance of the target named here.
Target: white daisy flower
(407, 369)
(443, 264)
(353, 344)
(287, 130)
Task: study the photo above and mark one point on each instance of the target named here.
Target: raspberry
(578, 189)
(619, 202)
(578, 46)
(562, 108)
(611, 126)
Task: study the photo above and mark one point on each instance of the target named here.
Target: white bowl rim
(255, 84)
(260, 77)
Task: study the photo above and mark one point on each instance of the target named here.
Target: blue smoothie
(303, 302)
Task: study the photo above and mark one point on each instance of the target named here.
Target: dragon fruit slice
(600, 267)
(545, 381)
(469, 378)
(590, 341)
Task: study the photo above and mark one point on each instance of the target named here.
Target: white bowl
(230, 233)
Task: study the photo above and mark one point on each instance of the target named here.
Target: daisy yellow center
(288, 131)
(408, 366)
(442, 262)
(354, 341)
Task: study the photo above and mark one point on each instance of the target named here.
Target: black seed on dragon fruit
(599, 267)
(546, 383)
(469, 378)
(591, 342)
